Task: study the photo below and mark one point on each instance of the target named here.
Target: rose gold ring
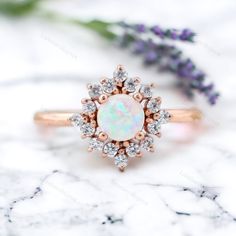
(120, 118)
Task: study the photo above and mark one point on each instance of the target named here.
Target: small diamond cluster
(120, 151)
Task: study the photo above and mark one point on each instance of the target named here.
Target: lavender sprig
(171, 59)
(167, 57)
(186, 35)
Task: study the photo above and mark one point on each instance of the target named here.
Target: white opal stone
(121, 117)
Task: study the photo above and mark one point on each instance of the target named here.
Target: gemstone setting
(77, 120)
(89, 107)
(109, 85)
(110, 149)
(153, 105)
(95, 90)
(120, 75)
(146, 91)
(95, 144)
(147, 143)
(121, 161)
(121, 117)
(154, 127)
(130, 85)
(87, 129)
(133, 149)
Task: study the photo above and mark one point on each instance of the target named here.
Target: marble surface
(50, 185)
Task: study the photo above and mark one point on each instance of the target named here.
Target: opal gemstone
(121, 117)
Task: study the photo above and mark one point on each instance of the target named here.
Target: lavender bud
(150, 57)
(187, 35)
(157, 31)
(140, 28)
(139, 46)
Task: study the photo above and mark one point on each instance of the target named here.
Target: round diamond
(133, 149)
(153, 105)
(130, 85)
(146, 91)
(164, 117)
(77, 120)
(146, 143)
(121, 117)
(109, 85)
(87, 129)
(95, 144)
(120, 75)
(89, 107)
(121, 160)
(154, 127)
(95, 90)
(110, 149)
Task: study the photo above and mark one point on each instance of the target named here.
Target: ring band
(62, 118)
(120, 118)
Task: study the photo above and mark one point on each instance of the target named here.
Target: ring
(120, 118)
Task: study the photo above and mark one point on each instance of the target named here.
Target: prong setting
(120, 150)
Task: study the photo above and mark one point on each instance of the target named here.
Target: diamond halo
(122, 116)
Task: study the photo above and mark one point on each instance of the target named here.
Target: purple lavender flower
(157, 31)
(150, 57)
(141, 28)
(167, 57)
(187, 35)
(174, 34)
(139, 46)
(170, 58)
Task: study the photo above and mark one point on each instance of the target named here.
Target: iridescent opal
(121, 117)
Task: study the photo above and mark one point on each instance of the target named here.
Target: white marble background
(50, 185)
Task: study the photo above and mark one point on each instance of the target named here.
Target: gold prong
(92, 115)
(124, 91)
(117, 144)
(139, 155)
(151, 148)
(104, 155)
(102, 136)
(103, 98)
(85, 119)
(89, 86)
(103, 80)
(119, 84)
(149, 120)
(126, 143)
(156, 116)
(120, 68)
(158, 134)
(121, 168)
(83, 136)
(85, 100)
(137, 80)
(121, 151)
(93, 123)
(90, 149)
(116, 91)
(152, 85)
(140, 135)
(158, 99)
(138, 97)
(148, 112)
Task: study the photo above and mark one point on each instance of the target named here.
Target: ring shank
(62, 118)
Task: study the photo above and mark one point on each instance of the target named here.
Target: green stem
(18, 8)
(101, 27)
(27, 7)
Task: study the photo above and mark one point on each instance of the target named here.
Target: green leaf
(100, 27)
(18, 8)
